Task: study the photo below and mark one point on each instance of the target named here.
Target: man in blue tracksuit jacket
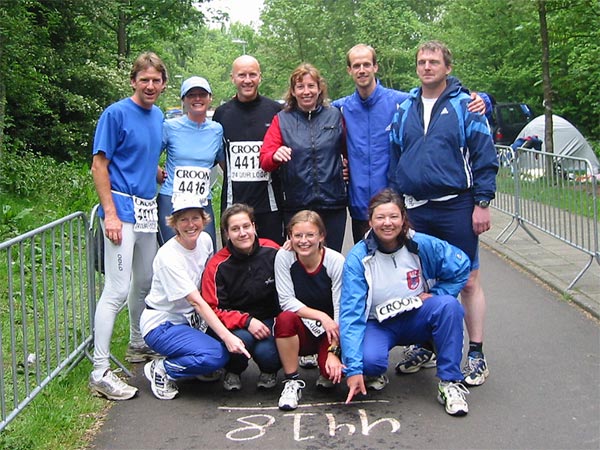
(443, 160)
(368, 112)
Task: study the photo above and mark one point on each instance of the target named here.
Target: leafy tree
(318, 32)
(140, 23)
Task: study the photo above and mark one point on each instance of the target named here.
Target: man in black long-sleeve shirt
(245, 119)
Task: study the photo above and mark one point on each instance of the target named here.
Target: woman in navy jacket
(306, 142)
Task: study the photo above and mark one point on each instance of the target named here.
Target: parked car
(173, 112)
(508, 119)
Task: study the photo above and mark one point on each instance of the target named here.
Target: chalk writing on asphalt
(255, 426)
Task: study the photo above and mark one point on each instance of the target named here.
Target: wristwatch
(483, 203)
(335, 349)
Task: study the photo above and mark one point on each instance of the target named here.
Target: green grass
(569, 195)
(65, 414)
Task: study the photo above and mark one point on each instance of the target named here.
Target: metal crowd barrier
(46, 309)
(54, 276)
(555, 194)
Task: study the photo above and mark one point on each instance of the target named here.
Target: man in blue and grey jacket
(444, 162)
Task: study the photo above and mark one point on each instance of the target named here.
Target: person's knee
(267, 357)
(447, 303)
(374, 364)
(473, 284)
(213, 360)
(285, 324)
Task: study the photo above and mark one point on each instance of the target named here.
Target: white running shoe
(452, 396)
(292, 393)
(162, 387)
(111, 386)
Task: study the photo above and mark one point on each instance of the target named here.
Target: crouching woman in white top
(176, 315)
(308, 281)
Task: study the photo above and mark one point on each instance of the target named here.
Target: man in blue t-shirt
(127, 146)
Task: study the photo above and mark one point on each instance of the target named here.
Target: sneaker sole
(309, 366)
(479, 380)
(287, 408)
(266, 386)
(98, 393)
(459, 413)
(136, 359)
(428, 365)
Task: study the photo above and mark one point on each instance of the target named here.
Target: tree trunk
(547, 85)
(122, 52)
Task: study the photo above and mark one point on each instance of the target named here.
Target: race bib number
(196, 321)
(314, 326)
(395, 306)
(190, 180)
(146, 215)
(244, 163)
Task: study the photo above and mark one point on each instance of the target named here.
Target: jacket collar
(373, 244)
(309, 114)
(453, 88)
(371, 99)
(239, 255)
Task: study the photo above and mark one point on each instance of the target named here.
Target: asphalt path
(543, 393)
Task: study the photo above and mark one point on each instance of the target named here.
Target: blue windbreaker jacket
(367, 133)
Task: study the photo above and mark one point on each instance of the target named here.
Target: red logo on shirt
(412, 279)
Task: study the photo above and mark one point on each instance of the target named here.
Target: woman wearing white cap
(194, 145)
(176, 315)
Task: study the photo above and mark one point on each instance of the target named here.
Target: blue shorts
(451, 221)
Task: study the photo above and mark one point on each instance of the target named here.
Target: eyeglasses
(307, 236)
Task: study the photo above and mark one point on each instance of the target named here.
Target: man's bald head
(246, 76)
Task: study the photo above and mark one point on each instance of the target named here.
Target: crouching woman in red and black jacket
(239, 284)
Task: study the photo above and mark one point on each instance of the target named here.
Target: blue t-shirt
(190, 144)
(130, 137)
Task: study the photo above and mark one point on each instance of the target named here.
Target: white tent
(567, 140)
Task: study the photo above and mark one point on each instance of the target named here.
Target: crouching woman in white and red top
(176, 315)
(308, 280)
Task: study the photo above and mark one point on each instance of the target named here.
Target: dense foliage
(62, 62)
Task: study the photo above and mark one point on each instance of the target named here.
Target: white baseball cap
(194, 82)
(187, 201)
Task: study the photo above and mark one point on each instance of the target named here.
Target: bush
(36, 190)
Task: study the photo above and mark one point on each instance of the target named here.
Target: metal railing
(556, 194)
(46, 312)
(50, 280)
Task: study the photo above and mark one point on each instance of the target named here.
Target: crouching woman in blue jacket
(399, 287)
